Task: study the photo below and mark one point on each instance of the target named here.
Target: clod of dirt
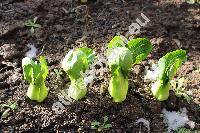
(10, 51)
(9, 28)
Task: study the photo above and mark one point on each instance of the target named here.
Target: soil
(67, 24)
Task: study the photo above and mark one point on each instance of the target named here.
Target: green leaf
(140, 48)
(75, 62)
(183, 130)
(95, 123)
(120, 58)
(105, 119)
(28, 72)
(29, 23)
(27, 65)
(5, 113)
(107, 126)
(170, 63)
(37, 75)
(44, 67)
(14, 106)
(36, 25)
(32, 25)
(89, 53)
(117, 41)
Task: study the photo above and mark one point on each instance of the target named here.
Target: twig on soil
(6, 11)
(65, 10)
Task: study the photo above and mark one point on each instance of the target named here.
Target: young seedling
(58, 73)
(32, 24)
(74, 64)
(35, 73)
(121, 57)
(179, 89)
(9, 107)
(182, 130)
(97, 125)
(168, 66)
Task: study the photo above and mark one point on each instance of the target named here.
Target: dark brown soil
(65, 23)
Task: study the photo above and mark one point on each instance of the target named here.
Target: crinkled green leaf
(89, 53)
(44, 67)
(37, 74)
(140, 48)
(27, 65)
(170, 63)
(28, 72)
(117, 41)
(120, 57)
(75, 62)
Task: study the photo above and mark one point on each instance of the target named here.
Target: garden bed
(66, 25)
